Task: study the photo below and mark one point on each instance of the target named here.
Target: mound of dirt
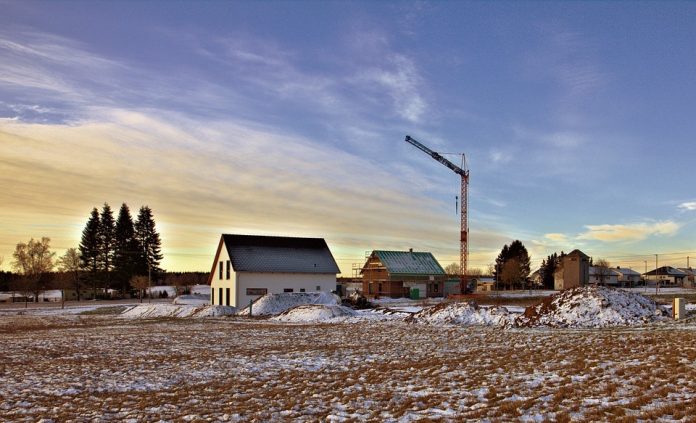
(592, 307)
(192, 300)
(315, 313)
(462, 314)
(151, 311)
(274, 304)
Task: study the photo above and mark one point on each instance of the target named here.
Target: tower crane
(464, 235)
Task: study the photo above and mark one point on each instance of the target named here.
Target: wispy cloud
(629, 232)
(556, 237)
(689, 205)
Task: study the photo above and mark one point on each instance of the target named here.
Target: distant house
(666, 275)
(573, 271)
(485, 284)
(690, 281)
(402, 274)
(603, 275)
(628, 277)
(249, 266)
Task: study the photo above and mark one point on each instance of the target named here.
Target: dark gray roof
(666, 271)
(409, 263)
(277, 254)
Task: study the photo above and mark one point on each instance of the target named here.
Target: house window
(212, 296)
(256, 291)
(288, 290)
(220, 296)
(227, 295)
(228, 270)
(435, 287)
(302, 290)
(220, 270)
(318, 288)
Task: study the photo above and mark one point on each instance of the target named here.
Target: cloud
(630, 232)
(556, 237)
(689, 205)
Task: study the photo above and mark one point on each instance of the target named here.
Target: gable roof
(577, 252)
(666, 271)
(627, 272)
(278, 254)
(409, 263)
(595, 271)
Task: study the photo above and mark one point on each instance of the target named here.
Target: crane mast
(464, 223)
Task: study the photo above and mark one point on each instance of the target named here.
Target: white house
(666, 275)
(249, 266)
(628, 277)
(605, 275)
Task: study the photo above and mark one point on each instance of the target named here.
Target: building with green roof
(402, 274)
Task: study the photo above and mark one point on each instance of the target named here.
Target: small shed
(403, 274)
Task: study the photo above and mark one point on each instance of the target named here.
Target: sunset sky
(578, 121)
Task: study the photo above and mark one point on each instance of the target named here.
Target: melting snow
(274, 304)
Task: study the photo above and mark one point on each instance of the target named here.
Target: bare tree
(140, 283)
(70, 264)
(452, 269)
(34, 261)
(602, 270)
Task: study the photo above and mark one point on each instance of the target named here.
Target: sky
(288, 118)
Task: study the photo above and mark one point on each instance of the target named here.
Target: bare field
(85, 368)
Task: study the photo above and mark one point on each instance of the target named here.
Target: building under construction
(399, 274)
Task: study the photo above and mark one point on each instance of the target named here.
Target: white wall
(276, 282)
(224, 283)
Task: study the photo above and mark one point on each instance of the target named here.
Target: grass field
(78, 368)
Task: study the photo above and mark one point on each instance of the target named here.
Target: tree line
(112, 252)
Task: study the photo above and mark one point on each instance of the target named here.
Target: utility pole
(657, 277)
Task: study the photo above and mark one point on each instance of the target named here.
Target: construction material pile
(462, 314)
(274, 304)
(315, 313)
(592, 307)
(159, 310)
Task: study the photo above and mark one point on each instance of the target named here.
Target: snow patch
(462, 314)
(592, 307)
(315, 313)
(150, 311)
(274, 304)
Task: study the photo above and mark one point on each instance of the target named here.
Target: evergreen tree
(149, 241)
(107, 239)
(90, 249)
(513, 265)
(127, 252)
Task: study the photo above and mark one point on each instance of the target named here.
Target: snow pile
(462, 314)
(315, 313)
(150, 311)
(274, 304)
(592, 307)
(192, 300)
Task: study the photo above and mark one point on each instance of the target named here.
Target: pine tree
(518, 271)
(90, 248)
(127, 252)
(149, 240)
(107, 239)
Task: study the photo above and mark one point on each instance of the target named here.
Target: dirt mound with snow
(592, 307)
(458, 313)
(274, 304)
(192, 300)
(151, 311)
(315, 313)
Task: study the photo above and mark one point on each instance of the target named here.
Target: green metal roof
(409, 263)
